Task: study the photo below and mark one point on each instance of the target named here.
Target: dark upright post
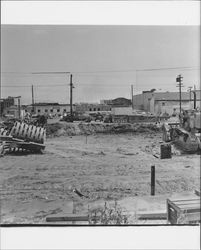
(152, 180)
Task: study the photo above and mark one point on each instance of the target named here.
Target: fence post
(152, 180)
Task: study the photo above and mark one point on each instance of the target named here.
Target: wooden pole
(180, 97)
(132, 96)
(152, 180)
(71, 97)
(194, 100)
(32, 95)
(19, 108)
(179, 80)
(74, 211)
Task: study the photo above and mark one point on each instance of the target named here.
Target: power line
(64, 85)
(38, 86)
(100, 71)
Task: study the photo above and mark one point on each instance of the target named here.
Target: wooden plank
(193, 217)
(196, 199)
(190, 210)
(195, 205)
(71, 218)
(187, 202)
(152, 216)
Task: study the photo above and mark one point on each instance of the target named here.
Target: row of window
(58, 110)
(51, 110)
(96, 109)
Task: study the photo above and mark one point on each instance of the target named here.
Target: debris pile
(70, 129)
(22, 138)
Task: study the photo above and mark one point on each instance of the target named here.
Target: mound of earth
(70, 129)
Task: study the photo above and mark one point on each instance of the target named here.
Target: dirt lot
(103, 167)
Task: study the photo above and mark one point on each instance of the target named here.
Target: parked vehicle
(76, 117)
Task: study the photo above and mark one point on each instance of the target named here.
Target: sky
(104, 60)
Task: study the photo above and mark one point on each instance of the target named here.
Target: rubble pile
(70, 129)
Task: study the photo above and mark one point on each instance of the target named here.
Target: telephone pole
(32, 93)
(1, 102)
(190, 91)
(179, 79)
(194, 93)
(132, 96)
(71, 96)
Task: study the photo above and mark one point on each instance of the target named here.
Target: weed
(108, 215)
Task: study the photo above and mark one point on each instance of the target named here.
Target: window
(90, 109)
(51, 110)
(38, 110)
(94, 109)
(46, 110)
(58, 110)
(64, 110)
(163, 103)
(98, 109)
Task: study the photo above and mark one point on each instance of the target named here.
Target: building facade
(92, 107)
(5, 103)
(52, 109)
(165, 102)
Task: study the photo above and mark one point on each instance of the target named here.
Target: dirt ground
(102, 167)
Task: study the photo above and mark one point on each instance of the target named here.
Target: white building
(54, 109)
(165, 102)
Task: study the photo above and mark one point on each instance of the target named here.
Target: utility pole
(32, 92)
(194, 92)
(1, 102)
(179, 79)
(190, 99)
(19, 108)
(132, 96)
(71, 96)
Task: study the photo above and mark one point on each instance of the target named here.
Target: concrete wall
(122, 111)
(87, 108)
(169, 106)
(142, 101)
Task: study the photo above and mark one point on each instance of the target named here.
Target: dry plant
(108, 215)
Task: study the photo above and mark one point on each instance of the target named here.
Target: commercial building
(117, 102)
(53, 109)
(165, 102)
(105, 106)
(92, 107)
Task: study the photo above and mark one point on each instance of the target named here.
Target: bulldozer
(184, 132)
